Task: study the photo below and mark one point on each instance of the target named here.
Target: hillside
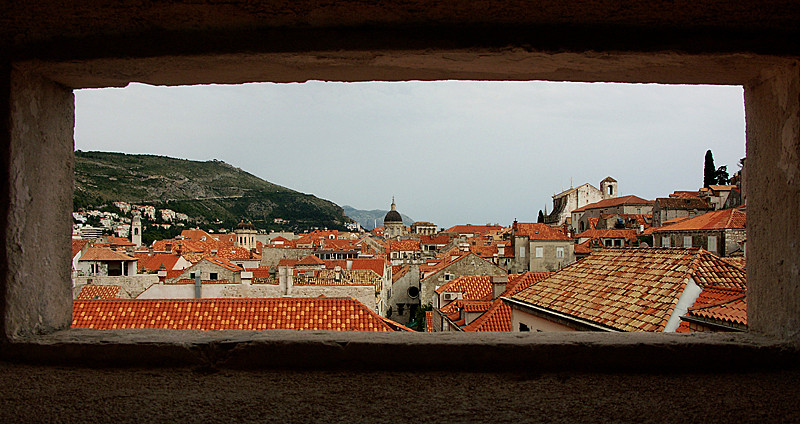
(207, 191)
(368, 219)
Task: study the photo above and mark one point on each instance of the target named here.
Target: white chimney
(247, 277)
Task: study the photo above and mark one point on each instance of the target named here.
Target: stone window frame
(36, 303)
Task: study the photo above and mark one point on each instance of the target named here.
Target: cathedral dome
(392, 216)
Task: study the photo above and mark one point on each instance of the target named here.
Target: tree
(721, 175)
(541, 217)
(709, 170)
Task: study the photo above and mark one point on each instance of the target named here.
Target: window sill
(496, 352)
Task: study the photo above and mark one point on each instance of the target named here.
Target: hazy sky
(451, 152)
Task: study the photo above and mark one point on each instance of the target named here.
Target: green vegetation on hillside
(210, 192)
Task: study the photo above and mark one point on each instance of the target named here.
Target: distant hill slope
(206, 191)
(367, 219)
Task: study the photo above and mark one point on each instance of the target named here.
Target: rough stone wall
(772, 109)
(38, 195)
(727, 240)
(205, 268)
(363, 294)
(131, 286)
(549, 261)
(209, 291)
(400, 295)
(469, 265)
(271, 256)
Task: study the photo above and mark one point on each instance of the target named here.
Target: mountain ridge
(208, 191)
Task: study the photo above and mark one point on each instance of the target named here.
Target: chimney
(247, 277)
(162, 274)
(499, 285)
(198, 287)
(349, 265)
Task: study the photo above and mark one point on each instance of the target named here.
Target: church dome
(392, 215)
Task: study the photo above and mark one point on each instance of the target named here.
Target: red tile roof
(719, 305)
(497, 318)
(612, 233)
(629, 289)
(311, 260)
(683, 194)
(538, 231)
(439, 239)
(97, 291)
(315, 314)
(473, 229)
(260, 272)
(616, 201)
(404, 246)
(682, 203)
(77, 245)
(154, 262)
(224, 263)
(119, 241)
(722, 219)
(104, 254)
(377, 265)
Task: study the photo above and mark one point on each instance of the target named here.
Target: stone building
(404, 294)
(569, 200)
(393, 223)
(423, 228)
(669, 208)
(453, 266)
(720, 232)
(102, 261)
(626, 205)
(246, 235)
(136, 229)
(539, 247)
(657, 287)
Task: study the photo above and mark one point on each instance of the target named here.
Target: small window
(559, 252)
(214, 276)
(665, 242)
(712, 243)
(522, 252)
(413, 292)
(617, 243)
(540, 252)
(607, 242)
(192, 276)
(523, 327)
(687, 241)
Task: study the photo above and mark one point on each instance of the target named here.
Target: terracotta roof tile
(629, 289)
(77, 245)
(616, 201)
(473, 229)
(404, 246)
(682, 203)
(538, 231)
(497, 318)
(97, 291)
(104, 254)
(311, 260)
(224, 263)
(315, 314)
(722, 219)
(154, 262)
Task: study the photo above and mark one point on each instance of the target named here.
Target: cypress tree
(541, 217)
(709, 170)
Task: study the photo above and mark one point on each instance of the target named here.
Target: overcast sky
(451, 152)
